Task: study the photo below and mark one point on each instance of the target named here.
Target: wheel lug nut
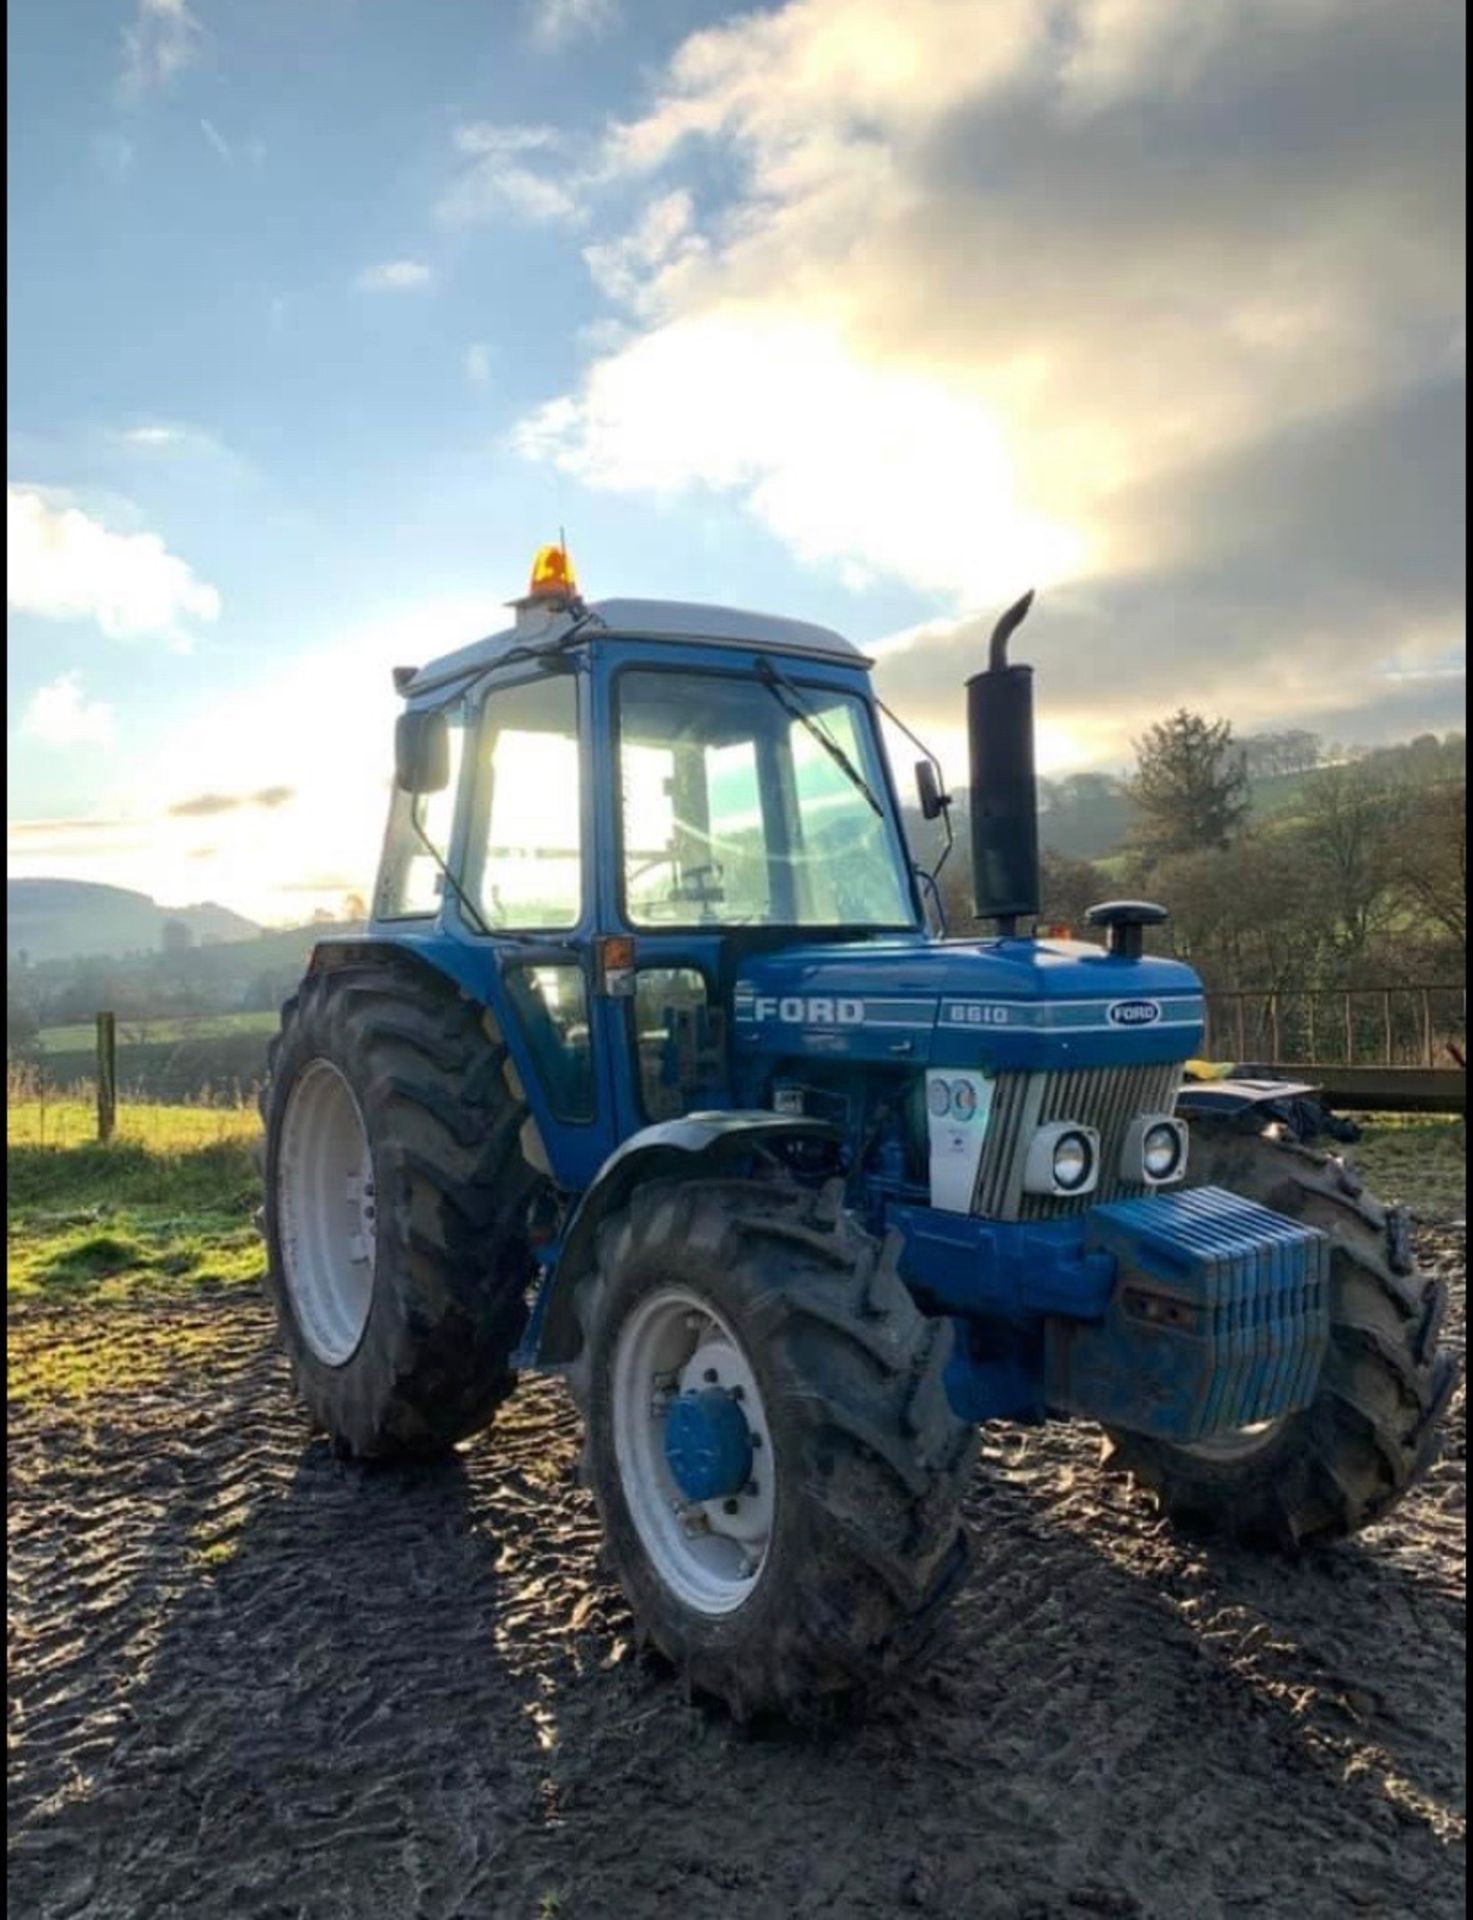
(710, 1376)
(731, 1506)
(754, 1440)
(738, 1393)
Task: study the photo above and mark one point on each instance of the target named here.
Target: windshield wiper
(791, 701)
(471, 911)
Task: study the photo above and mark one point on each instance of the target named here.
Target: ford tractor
(656, 1069)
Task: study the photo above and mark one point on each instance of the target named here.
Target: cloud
(496, 180)
(64, 565)
(555, 22)
(218, 141)
(204, 806)
(394, 276)
(478, 364)
(163, 39)
(1110, 299)
(625, 268)
(59, 715)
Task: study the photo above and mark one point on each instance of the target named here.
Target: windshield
(740, 808)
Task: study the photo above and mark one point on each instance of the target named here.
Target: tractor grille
(1106, 1098)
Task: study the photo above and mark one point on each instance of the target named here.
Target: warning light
(552, 575)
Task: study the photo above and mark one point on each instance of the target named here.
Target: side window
(680, 1040)
(410, 881)
(551, 1005)
(524, 867)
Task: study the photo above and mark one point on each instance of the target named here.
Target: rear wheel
(769, 1442)
(396, 1200)
(1346, 1460)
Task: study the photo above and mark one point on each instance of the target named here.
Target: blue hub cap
(708, 1444)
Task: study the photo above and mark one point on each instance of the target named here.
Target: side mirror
(933, 801)
(421, 752)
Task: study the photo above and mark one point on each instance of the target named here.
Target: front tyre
(768, 1440)
(1371, 1433)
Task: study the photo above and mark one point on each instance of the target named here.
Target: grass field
(83, 1034)
(167, 1204)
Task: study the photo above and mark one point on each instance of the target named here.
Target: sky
(325, 314)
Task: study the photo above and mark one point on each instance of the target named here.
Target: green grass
(1419, 1161)
(167, 1203)
(82, 1035)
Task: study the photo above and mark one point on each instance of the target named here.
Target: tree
(1430, 855)
(1068, 889)
(21, 1024)
(1347, 837)
(1190, 785)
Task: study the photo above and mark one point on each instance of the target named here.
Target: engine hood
(991, 1003)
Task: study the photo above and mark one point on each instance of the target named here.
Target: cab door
(523, 859)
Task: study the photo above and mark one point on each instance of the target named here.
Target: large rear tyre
(1372, 1431)
(828, 1566)
(396, 1199)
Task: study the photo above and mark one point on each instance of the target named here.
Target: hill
(78, 919)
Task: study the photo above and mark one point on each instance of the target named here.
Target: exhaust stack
(1004, 783)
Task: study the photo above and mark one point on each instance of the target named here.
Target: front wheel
(1371, 1432)
(768, 1440)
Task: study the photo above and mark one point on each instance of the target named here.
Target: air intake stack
(1004, 783)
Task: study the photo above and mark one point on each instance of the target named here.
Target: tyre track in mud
(249, 1679)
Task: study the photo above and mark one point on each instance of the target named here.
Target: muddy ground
(247, 1680)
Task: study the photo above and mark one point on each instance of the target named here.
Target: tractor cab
(601, 812)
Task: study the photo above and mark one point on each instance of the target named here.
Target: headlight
(1073, 1162)
(1063, 1160)
(1155, 1151)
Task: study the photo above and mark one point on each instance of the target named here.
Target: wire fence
(1380, 1026)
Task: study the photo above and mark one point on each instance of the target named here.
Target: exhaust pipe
(1004, 783)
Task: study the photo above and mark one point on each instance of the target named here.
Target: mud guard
(698, 1146)
(1224, 1098)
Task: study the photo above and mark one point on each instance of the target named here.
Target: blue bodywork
(844, 1024)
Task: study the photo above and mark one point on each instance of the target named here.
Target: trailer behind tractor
(649, 1071)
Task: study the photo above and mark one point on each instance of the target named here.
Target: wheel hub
(694, 1448)
(708, 1444)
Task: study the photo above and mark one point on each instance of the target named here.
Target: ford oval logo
(1135, 1013)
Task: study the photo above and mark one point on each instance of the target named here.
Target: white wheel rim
(1238, 1443)
(326, 1211)
(710, 1558)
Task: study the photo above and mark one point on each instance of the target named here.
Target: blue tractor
(652, 1070)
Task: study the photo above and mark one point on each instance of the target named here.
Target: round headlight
(1161, 1151)
(1073, 1162)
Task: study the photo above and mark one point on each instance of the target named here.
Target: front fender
(695, 1147)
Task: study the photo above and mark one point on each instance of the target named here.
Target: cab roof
(640, 620)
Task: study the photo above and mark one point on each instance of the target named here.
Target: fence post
(107, 1075)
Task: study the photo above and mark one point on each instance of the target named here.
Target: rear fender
(699, 1146)
(1234, 1099)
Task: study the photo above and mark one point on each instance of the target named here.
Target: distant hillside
(75, 919)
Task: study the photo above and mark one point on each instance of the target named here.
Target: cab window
(410, 878)
(524, 861)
